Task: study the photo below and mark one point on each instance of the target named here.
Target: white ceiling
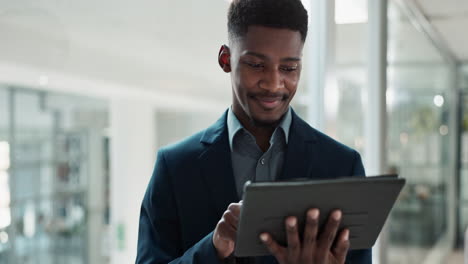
(168, 45)
(450, 19)
(406, 43)
(142, 44)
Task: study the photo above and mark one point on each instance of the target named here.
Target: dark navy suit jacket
(193, 184)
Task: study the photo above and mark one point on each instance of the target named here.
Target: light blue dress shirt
(249, 162)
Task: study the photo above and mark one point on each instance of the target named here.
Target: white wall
(133, 152)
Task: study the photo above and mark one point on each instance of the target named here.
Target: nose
(272, 80)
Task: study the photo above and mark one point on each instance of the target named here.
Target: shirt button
(262, 161)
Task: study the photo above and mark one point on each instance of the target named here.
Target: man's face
(265, 68)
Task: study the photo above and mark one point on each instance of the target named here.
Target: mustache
(269, 95)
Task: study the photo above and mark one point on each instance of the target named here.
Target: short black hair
(288, 14)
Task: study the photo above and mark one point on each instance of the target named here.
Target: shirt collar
(234, 125)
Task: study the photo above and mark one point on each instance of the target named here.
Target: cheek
(241, 84)
(291, 84)
(247, 80)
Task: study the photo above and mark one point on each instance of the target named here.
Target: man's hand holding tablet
(327, 246)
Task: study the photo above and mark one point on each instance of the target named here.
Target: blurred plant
(423, 120)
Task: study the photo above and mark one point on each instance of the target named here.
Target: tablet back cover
(365, 203)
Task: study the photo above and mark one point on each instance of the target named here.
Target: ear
(224, 58)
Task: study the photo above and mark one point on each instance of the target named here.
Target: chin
(266, 122)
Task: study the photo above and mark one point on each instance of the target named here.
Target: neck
(262, 133)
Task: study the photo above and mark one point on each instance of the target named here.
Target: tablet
(364, 201)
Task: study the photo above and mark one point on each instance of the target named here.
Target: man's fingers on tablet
(342, 245)
(231, 219)
(275, 249)
(226, 231)
(330, 245)
(294, 245)
(327, 236)
(235, 208)
(311, 228)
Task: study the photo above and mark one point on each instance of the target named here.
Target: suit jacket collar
(301, 156)
(299, 130)
(216, 166)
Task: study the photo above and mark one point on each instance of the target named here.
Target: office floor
(456, 257)
(417, 255)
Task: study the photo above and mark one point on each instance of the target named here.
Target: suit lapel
(216, 166)
(301, 155)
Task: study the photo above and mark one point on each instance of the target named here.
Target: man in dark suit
(191, 207)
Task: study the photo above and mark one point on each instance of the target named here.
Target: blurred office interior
(89, 90)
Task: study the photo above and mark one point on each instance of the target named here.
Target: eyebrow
(262, 56)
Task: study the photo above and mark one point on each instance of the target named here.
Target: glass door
(46, 177)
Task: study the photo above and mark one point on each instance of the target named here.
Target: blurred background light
(350, 12)
(439, 100)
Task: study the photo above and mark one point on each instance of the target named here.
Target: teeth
(269, 99)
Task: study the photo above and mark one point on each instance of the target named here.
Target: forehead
(272, 42)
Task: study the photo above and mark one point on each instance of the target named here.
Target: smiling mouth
(268, 102)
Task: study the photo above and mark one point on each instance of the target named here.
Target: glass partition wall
(5, 212)
(418, 130)
(463, 180)
(345, 98)
(46, 170)
(418, 140)
(419, 82)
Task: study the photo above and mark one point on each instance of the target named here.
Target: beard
(253, 120)
(284, 97)
(267, 123)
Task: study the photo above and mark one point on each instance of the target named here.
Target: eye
(254, 65)
(289, 68)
